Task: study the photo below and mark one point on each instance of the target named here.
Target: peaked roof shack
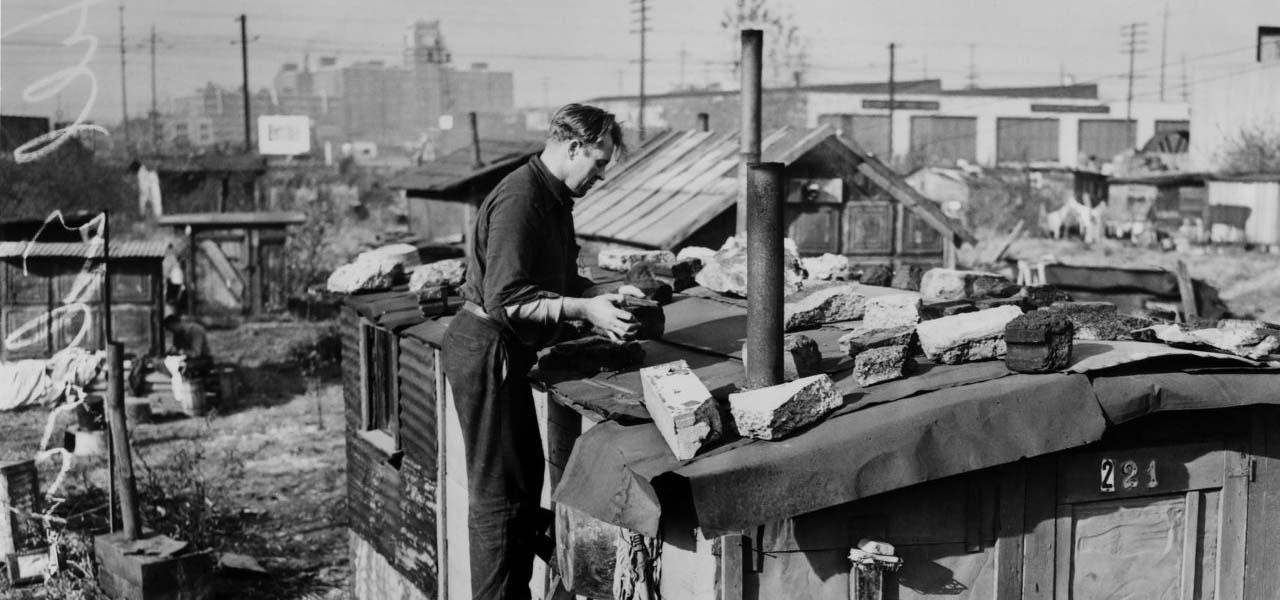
(679, 181)
(452, 172)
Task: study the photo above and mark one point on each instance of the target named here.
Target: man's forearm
(543, 311)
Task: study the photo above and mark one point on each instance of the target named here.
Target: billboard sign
(284, 134)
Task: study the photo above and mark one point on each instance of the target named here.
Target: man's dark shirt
(190, 340)
(523, 248)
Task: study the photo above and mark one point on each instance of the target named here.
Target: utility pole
(124, 94)
(892, 52)
(1186, 83)
(642, 28)
(972, 77)
(155, 115)
(1164, 46)
(1133, 45)
(244, 67)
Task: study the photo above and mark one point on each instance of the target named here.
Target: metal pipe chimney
(704, 122)
(751, 65)
(764, 274)
(475, 139)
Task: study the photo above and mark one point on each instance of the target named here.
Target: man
(189, 340)
(522, 283)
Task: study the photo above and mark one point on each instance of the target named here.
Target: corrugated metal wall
(394, 508)
(1262, 198)
(1026, 140)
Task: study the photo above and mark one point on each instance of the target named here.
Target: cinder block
(774, 412)
(893, 310)
(1038, 342)
(860, 340)
(800, 357)
(829, 305)
(681, 407)
(966, 337)
(882, 364)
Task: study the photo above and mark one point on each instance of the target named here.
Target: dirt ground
(1249, 281)
(263, 477)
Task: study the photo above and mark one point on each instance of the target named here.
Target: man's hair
(586, 124)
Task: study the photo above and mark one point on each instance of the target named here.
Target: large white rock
(405, 254)
(367, 275)
(681, 407)
(622, 259)
(829, 305)
(773, 412)
(826, 267)
(697, 252)
(451, 272)
(726, 271)
(892, 310)
(966, 337)
(952, 284)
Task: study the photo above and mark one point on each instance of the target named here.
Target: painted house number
(1131, 475)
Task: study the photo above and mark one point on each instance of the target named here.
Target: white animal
(1087, 218)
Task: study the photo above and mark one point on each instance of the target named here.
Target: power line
(1133, 45)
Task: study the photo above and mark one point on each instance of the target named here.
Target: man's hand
(603, 312)
(630, 290)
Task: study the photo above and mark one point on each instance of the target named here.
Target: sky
(562, 50)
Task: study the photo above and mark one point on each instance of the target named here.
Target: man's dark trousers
(488, 372)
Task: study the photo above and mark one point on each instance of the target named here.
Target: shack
(42, 310)
(1249, 204)
(235, 261)
(1123, 473)
(208, 182)
(1167, 201)
(680, 189)
(444, 193)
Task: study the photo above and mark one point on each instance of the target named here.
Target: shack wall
(393, 507)
(1262, 198)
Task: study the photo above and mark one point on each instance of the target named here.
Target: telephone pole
(1164, 46)
(244, 67)
(155, 115)
(1186, 83)
(1134, 44)
(124, 94)
(642, 28)
(892, 52)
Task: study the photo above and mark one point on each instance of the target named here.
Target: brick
(621, 259)
(1041, 296)
(1100, 321)
(145, 569)
(649, 313)
(591, 355)
(826, 267)
(877, 275)
(1038, 342)
(829, 305)
(774, 412)
(800, 357)
(681, 407)
(966, 337)
(1071, 308)
(907, 277)
(893, 310)
(882, 364)
(862, 339)
(945, 308)
(953, 284)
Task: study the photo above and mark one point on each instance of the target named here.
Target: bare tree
(1252, 151)
(785, 49)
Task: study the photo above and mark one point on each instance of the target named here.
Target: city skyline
(584, 50)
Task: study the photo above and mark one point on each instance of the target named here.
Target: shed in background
(1250, 203)
(680, 188)
(37, 288)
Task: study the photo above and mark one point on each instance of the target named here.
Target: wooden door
(868, 228)
(814, 227)
(1158, 523)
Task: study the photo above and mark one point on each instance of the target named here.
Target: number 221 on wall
(1129, 475)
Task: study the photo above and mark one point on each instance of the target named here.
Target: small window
(380, 356)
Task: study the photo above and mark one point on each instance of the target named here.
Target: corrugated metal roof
(454, 170)
(233, 219)
(681, 180)
(120, 249)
